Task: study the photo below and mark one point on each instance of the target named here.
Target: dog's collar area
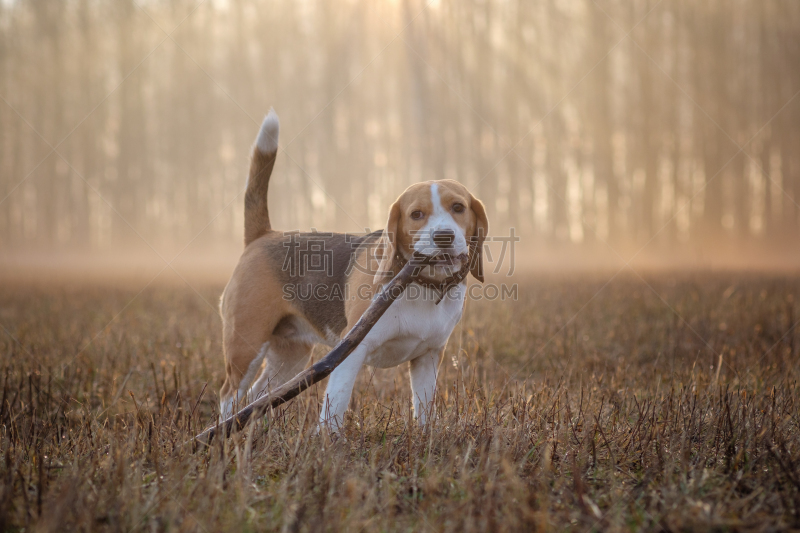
(439, 287)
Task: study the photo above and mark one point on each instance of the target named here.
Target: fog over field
(665, 132)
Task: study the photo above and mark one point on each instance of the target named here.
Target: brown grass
(619, 419)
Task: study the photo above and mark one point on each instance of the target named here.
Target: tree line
(124, 123)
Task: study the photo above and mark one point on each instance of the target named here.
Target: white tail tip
(267, 140)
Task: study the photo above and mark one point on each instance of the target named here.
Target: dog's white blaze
(438, 209)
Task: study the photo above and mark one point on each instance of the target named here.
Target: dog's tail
(256, 211)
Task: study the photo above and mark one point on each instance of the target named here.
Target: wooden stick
(322, 368)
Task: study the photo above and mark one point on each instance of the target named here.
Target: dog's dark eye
(458, 208)
(416, 215)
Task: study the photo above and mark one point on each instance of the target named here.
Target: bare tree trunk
(128, 188)
(741, 190)
(558, 178)
(48, 185)
(650, 132)
(711, 67)
(88, 144)
(601, 125)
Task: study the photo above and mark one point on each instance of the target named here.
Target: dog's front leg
(340, 387)
(423, 371)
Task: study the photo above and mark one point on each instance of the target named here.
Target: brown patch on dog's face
(400, 226)
(414, 207)
(472, 219)
(457, 201)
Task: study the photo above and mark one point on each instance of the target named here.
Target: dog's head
(440, 219)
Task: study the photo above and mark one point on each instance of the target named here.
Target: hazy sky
(601, 129)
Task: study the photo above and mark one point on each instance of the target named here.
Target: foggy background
(602, 131)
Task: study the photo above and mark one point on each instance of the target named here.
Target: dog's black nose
(444, 238)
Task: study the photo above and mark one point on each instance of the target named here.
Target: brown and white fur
(275, 308)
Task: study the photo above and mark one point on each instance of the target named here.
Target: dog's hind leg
(284, 360)
(250, 309)
(233, 394)
(247, 341)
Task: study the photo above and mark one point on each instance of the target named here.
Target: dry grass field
(660, 405)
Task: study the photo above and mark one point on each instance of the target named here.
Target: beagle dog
(292, 290)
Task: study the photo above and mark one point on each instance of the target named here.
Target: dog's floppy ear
(387, 246)
(477, 238)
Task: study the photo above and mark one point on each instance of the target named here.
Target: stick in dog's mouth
(446, 258)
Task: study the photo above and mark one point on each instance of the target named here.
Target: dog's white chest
(414, 326)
